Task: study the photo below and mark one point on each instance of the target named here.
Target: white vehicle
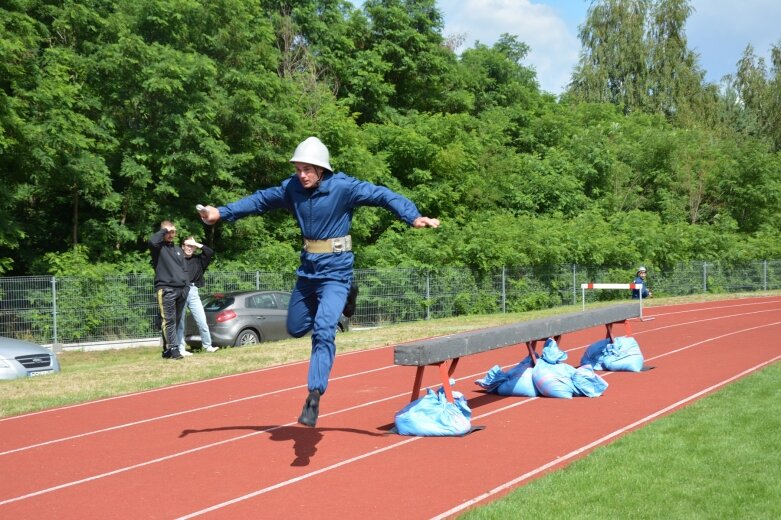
(19, 358)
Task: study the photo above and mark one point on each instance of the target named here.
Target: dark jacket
(168, 261)
(197, 264)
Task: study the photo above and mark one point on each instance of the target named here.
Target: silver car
(19, 358)
(243, 318)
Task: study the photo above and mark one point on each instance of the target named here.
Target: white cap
(641, 269)
(312, 151)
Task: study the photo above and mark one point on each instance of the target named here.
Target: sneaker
(211, 349)
(184, 352)
(311, 409)
(352, 297)
(172, 353)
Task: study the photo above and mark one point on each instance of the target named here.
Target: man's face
(188, 250)
(171, 235)
(308, 174)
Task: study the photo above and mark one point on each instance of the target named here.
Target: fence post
(428, 294)
(54, 310)
(764, 275)
(257, 280)
(504, 290)
(575, 287)
(705, 277)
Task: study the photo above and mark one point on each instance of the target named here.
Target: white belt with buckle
(329, 245)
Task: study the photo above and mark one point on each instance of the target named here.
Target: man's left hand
(425, 222)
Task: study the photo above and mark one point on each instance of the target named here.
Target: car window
(261, 301)
(283, 299)
(218, 303)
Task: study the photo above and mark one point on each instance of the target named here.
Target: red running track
(230, 447)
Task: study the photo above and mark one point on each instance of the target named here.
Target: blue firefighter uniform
(323, 212)
(636, 292)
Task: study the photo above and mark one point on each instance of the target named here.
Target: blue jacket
(323, 212)
(636, 292)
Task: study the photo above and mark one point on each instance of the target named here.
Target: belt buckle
(339, 245)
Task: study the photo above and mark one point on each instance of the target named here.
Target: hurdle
(630, 286)
(437, 351)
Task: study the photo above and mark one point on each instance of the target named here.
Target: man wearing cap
(640, 279)
(322, 202)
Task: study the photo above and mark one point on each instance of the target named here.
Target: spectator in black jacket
(196, 266)
(171, 284)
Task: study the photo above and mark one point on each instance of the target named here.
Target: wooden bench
(439, 350)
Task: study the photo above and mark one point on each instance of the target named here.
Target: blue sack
(587, 382)
(551, 352)
(594, 354)
(554, 380)
(623, 355)
(434, 416)
(515, 382)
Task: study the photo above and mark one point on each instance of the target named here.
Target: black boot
(352, 298)
(311, 409)
(172, 353)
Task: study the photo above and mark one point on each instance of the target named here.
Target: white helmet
(312, 151)
(641, 269)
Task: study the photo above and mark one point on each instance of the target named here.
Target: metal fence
(76, 310)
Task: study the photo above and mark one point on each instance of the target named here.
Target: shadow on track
(304, 439)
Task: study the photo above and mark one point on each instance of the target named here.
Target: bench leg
(609, 327)
(418, 382)
(445, 372)
(531, 346)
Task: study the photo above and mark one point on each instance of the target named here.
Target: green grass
(717, 458)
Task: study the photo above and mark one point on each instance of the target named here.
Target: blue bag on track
(434, 416)
(623, 355)
(587, 382)
(515, 382)
(594, 354)
(554, 380)
(551, 352)
(551, 377)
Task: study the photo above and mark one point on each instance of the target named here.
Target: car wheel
(246, 337)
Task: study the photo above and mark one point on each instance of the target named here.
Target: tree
(635, 55)
(613, 65)
(407, 35)
(674, 78)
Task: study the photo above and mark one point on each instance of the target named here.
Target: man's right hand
(209, 215)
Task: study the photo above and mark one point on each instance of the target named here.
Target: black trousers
(171, 301)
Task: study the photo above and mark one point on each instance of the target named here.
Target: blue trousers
(317, 305)
(195, 305)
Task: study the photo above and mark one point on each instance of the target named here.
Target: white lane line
(574, 453)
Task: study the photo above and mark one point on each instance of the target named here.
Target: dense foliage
(117, 114)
